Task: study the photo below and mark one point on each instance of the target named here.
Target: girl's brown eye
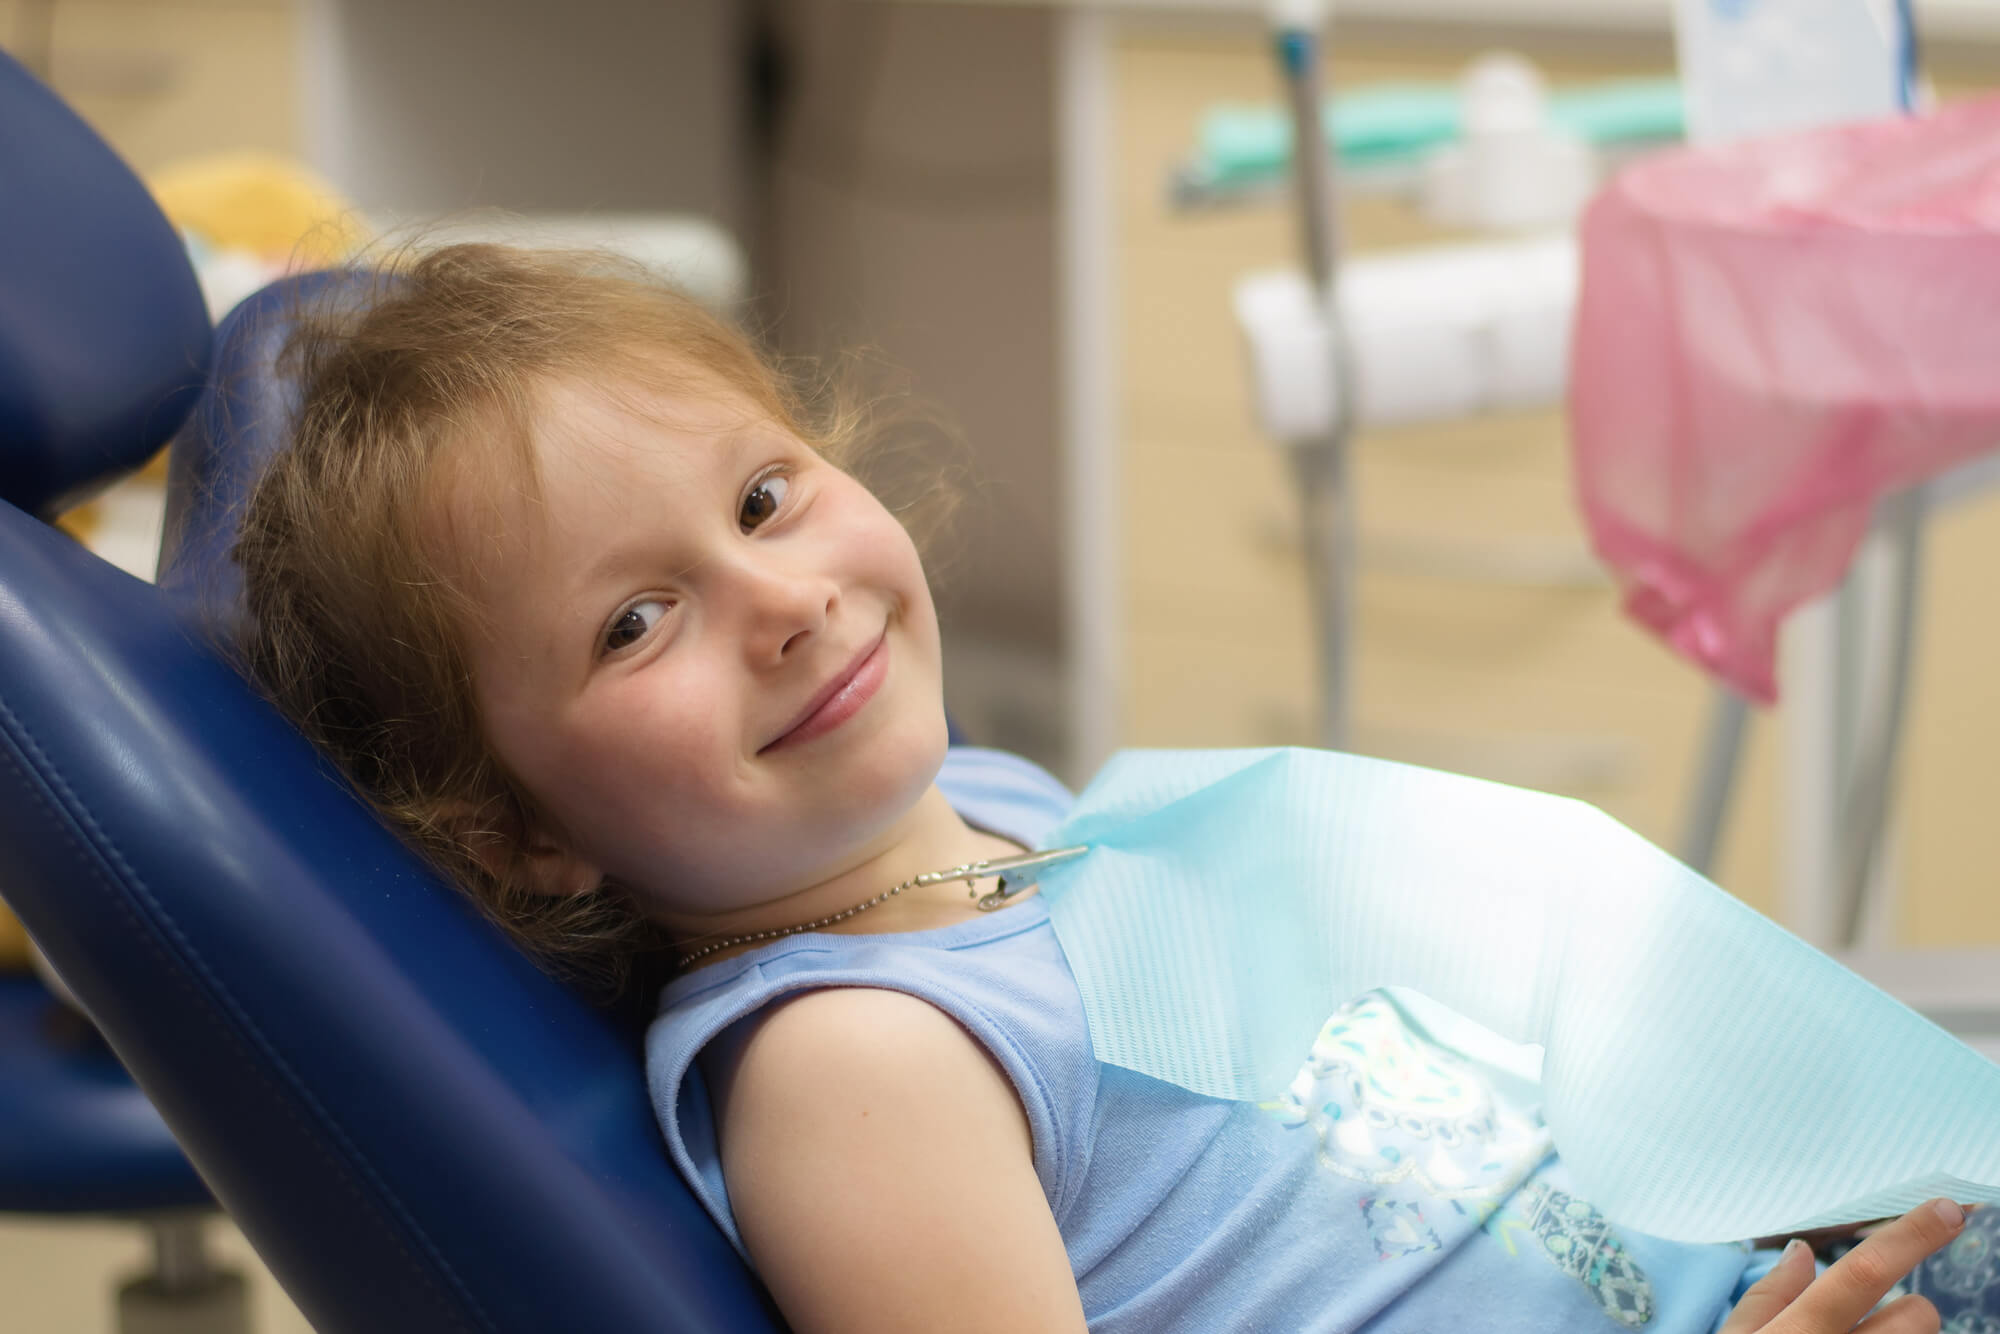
(632, 625)
(763, 500)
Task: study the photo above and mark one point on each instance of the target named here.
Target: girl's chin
(901, 765)
(894, 772)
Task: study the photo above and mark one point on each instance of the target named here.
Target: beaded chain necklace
(1017, 874)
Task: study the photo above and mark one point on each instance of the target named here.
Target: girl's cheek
(677, 712)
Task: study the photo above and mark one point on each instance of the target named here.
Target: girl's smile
(841, 698)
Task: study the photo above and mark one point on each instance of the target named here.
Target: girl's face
(708, 654)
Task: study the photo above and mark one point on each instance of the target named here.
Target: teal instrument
(1391, 124)
(1706, 1075)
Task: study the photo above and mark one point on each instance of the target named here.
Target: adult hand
(1792, 1300)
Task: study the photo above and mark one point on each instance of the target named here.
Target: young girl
(583, 597)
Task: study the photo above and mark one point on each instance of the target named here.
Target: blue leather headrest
(417, 1129)
(241, 421)
(103, 336)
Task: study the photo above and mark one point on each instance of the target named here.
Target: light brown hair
(358, 619)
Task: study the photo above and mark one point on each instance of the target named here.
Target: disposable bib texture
(1706, 1075)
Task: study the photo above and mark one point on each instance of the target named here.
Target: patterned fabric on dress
(1963, 1279)
(1393, 1110)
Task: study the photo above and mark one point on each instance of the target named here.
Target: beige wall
(160, 79)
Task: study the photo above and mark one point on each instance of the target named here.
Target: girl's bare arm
(880, 1168)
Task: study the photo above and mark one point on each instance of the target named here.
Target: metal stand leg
(1715, 781)
(1869, 715)
(185, 1293)
(1878, 729)
(1327, 518)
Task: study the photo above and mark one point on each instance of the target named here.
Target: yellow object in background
(263, 203)
(13, 944)
(82, 522)
(249, 217)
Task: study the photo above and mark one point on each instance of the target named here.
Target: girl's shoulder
(849, 1116)
(998, 983)
(863, 1045)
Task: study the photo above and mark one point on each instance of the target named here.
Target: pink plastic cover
(1770, 336)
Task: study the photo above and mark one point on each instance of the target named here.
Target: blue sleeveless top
(1395, 1187)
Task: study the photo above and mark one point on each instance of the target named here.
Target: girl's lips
(847, 699)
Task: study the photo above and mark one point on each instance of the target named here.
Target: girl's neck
(931, 837)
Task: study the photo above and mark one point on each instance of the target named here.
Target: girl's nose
(784, 608)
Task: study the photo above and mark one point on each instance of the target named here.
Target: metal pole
(1321, 466)
(180, 1253)
(1716, 780)
(1086, 330)
(1878, 731)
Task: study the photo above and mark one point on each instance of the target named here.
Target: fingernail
(1793, 1250)
(1949, 1211)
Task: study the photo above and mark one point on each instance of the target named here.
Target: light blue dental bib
(1706, 1075)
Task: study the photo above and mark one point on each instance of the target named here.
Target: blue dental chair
(416, 1129)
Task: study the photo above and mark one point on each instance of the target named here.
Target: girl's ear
(499, 838)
